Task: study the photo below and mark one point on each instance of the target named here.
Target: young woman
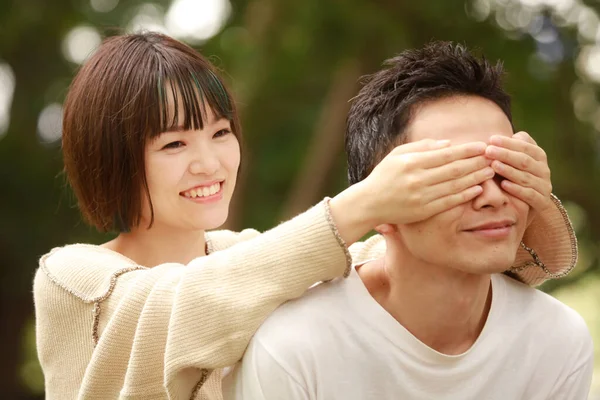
(151, 145)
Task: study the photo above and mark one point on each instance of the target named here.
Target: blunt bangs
(192, 91)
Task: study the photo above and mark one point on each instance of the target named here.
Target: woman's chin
(189, 222)
(211, 222)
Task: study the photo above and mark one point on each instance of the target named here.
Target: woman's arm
(166, 327)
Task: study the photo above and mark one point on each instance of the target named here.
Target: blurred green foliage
(293, 67)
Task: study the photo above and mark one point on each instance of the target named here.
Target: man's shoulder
(517, 292)
(299, 322)
(545, 315)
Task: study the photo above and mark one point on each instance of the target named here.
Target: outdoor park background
(293, 65)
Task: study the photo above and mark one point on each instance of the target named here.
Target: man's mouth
(492, 225)
(493, 229)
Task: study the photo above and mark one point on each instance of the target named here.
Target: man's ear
(386, 229)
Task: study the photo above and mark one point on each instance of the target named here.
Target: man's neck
(442, 307)
(158, 245)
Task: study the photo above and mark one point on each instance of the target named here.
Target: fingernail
(495, 139)
(491, 150)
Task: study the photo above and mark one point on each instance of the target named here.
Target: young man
(441, 314)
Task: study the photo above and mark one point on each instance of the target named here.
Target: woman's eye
(222, 132)
(174, 145)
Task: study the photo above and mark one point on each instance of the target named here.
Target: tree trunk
(257, 21)
(327, 140)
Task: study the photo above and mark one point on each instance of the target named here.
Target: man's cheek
(530, 216)
(525, 212)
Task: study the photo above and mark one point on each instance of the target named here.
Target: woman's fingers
(519, 160)
(535, 199)
(523, 178)
(450, 201)
(520, 144)
(458, 185)
(524, 165)
(455, 170)
(439, 157)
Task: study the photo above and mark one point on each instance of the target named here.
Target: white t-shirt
(337, 342)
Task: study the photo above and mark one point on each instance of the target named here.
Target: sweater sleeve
(167, 327)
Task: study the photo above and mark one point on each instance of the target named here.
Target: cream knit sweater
(108, 328)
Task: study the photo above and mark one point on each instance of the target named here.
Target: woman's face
(191, 175)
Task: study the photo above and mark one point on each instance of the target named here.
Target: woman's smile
(208, 193)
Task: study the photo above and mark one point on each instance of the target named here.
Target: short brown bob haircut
(116, 103)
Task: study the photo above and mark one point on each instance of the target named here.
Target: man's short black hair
(383, 108)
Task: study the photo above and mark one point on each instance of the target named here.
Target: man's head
(441, 92)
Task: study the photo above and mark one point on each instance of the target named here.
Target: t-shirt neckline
(377, 317)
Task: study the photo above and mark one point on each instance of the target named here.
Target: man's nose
(492, 196)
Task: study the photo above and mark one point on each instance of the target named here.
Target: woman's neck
(157, 245)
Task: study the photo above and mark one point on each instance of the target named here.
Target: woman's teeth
(204, 191)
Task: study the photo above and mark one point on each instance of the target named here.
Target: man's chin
(497, 266)
(485, 264)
